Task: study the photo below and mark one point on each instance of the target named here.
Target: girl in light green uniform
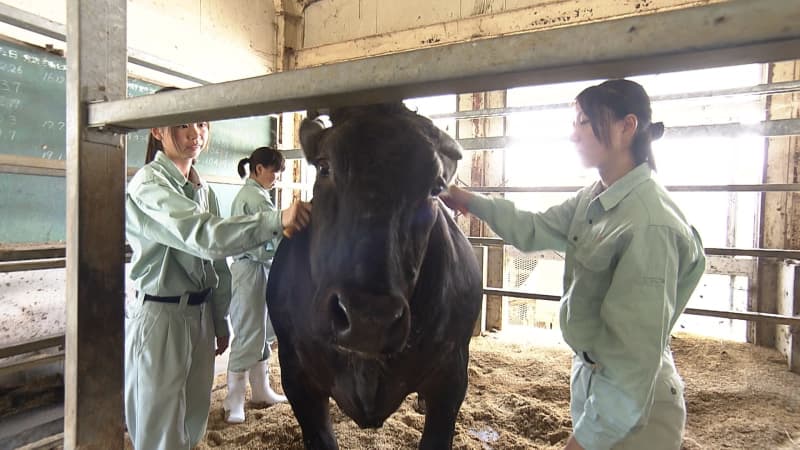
(632, 262)
(252, 330)
(182, 281)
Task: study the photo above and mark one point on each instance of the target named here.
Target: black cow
(378, 297)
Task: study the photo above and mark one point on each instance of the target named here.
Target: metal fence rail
(749, 316)
(650, 44)
(784, 87)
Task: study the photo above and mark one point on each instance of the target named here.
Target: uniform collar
(614, 194)
(172, 170)
(251, 182)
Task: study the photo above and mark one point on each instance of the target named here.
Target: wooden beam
(30, 362)
(31, 166)
(32, 345)
(25, 252)
(57, 168)
(95, 333)
(545, 15)
(25, 266)
(44, 443)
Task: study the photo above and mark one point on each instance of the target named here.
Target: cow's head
(379, 170)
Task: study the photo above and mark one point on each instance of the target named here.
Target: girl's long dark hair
(154, 145)
(266, 156)
(615, 99)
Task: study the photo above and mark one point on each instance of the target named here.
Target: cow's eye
(438, 188)
(323, 168)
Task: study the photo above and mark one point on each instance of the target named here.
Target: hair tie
(656, 130)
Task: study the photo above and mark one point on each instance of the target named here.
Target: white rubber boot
(234, 401)
(259, 385)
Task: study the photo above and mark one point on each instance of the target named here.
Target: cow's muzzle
(367, 323)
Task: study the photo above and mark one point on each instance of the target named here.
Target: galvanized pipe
(712, 35)
(749, 316)
(754, 252)
(783, 87)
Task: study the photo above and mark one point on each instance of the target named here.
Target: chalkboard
(32, 124)
(32, 102)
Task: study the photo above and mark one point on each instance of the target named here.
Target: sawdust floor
(738, 396)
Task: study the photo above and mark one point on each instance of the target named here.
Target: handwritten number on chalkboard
(54, 77)
(9, 135)
(10, 68)
(50, 125)
(9, 86)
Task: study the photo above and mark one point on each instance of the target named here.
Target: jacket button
(575, 238)
(673, 390)
(590, 221)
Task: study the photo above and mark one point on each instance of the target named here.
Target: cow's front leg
(310, 407)
(442, 402)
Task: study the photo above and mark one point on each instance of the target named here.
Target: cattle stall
(478, 70)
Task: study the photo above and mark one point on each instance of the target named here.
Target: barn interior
(500, 76)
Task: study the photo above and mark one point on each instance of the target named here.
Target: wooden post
(794, 331)
(95, 250)
(780, 212)
(767, 291)
(487, 168)
(289, 33)
(496, 305)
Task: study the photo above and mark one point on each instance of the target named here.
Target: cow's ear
(449, 152)
(310, 134)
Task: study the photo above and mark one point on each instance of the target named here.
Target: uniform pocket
(594, 268)
(147, 320)
(596, 259)
(669, 388)
(576, 367)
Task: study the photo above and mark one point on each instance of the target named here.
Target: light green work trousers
(252, 329)
(663, 428)
(169, 370)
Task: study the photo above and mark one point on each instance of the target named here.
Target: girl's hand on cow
(457, 198)
(222, 345)
(296, 217)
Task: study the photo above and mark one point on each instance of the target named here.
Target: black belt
(195, 298)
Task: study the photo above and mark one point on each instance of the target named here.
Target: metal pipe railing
(749, 316)
(783, 87)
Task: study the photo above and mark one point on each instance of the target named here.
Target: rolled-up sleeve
(637, 314)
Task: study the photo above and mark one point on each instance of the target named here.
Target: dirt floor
(738, 396)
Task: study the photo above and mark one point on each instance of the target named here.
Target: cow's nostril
(339, 315)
